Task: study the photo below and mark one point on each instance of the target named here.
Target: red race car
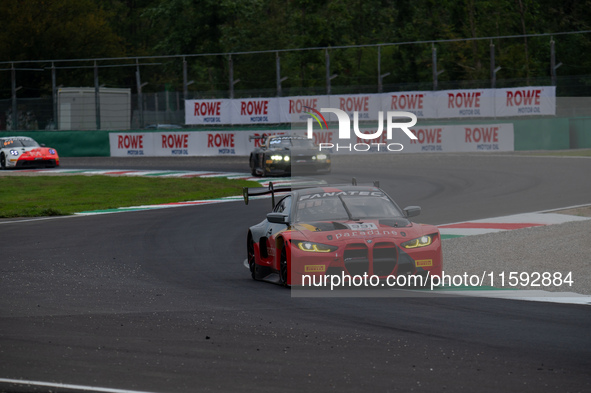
(24, 152)
(351, 231)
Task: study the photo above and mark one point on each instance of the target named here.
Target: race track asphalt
(159, 301)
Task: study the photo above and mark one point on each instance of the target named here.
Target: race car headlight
(278, 157)
(422, 241)
(315, 247)
(321, 157)
(14, 152)
(51, 151)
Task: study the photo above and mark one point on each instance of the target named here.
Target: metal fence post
(278, 73)
(140, 99)
(14, 106)
(434, 65)
(379, 69)
(231, 66)
(493, 74)
(54, 95)
(553, 65)
(97, 100)
(327, 61)
(185, 80)
(380, 75)
(156, 100)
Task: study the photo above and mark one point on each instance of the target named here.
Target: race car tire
(283, 269)
(263, 168)
(251, 257)
(253, 168)
(2, 161)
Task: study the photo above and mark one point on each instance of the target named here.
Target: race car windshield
(19, 143)
(291, 143)
(339, 208)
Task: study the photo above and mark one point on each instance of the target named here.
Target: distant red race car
(24, 152)
(339, 230)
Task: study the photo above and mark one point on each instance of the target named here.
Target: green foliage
(56, 29)
(61, 29)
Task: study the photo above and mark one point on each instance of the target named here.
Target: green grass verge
(35, 196)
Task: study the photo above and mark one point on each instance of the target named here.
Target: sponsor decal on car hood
(35, 151)
(345, 231)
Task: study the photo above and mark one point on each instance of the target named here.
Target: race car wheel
(251, 257)
(2, 161)
(253, 168)
(264, 172)
(283, 266)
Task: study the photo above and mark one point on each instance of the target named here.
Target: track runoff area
(499, 284)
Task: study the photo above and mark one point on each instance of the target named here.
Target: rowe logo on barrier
(345, 129)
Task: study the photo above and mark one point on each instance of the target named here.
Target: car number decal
(362, 226)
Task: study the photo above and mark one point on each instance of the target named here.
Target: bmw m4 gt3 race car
(24, 152)
(279, 153)
(339, 230)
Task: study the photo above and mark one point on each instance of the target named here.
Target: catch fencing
(157, 87)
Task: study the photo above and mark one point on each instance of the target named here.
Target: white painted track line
(528, 295)
(68, 386)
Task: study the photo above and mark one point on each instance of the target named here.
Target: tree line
(76, 29)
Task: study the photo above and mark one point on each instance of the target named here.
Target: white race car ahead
(24, 152)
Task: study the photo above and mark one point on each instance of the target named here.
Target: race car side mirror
(412, 211)
(278, 218)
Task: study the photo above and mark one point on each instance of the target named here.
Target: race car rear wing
(260, 191)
